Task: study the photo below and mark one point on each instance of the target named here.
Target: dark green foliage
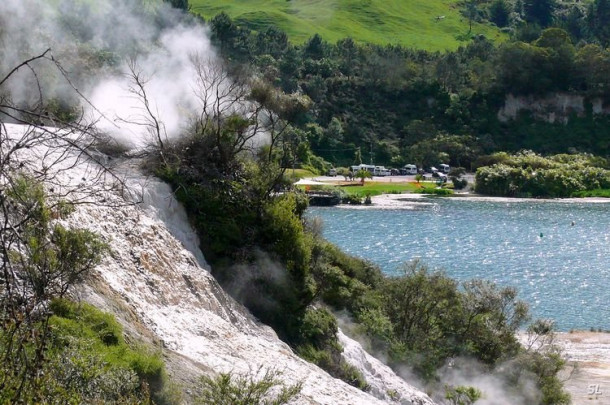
(598, 16)
(320, 346)
(179, 4)
(80, 328)
(424, 96)
(528, 174)
(462, 395)
(423, 318)
(433, 319)
(539, 11)
(228, 389)
(499, 12)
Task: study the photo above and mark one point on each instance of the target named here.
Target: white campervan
(410, 169)
(381, 171)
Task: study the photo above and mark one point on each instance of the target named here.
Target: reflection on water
(555, 253)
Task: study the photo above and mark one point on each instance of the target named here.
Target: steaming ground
(100, 46)
(162, 292)
(587, 373)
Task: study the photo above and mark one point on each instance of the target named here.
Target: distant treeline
(395, 105)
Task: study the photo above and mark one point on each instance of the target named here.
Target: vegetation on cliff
(307, 105)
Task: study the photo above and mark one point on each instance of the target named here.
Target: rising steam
(158, 42)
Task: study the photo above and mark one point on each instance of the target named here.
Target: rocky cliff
(157, 283)
(555, 107)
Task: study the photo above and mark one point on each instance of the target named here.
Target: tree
(179, 4)
(499, 12)
(232, 39)
(333, 134)
(472, 12)
(272, 41)
(560, 57)
(357, 156)
(363, 174)
(574, 23)
(348, 55)
(315, 48)
(598, 16)
(539, 11)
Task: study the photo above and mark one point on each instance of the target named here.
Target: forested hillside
(432, 25)
(394, 104)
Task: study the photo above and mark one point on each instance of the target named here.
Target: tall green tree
(598, 20)
(315, 48)
(499, 12)
(539, 11)
(179, 4)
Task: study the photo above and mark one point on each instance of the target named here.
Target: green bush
(434, 191)
(228, 389)
(352, 199)
(83, 330)
(528, 174)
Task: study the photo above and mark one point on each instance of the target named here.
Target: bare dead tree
(221, 97)
(149, 118)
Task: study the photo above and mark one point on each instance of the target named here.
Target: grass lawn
(433, 25)
(377, 188)
(299, 173)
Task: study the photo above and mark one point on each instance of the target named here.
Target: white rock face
(161, 290)
(385, 384)
(552, 108)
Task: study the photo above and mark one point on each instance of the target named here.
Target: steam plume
(94, 42)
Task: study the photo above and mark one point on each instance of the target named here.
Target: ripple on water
(560, 269)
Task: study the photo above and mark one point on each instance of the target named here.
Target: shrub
(528, 174)
(353, 199)
(228, 389)
(82, 331)
(434, 191)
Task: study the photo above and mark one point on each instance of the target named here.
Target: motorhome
(374, 170)
(381, 171)
(410, 169)
(368, 168)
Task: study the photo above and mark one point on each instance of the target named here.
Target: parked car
(332, 172)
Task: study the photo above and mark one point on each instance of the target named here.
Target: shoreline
(386, 200)
(412, 200)
(586, 375)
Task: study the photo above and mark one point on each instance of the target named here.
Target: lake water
(555, 253)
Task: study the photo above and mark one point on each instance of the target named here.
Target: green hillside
(424, 24)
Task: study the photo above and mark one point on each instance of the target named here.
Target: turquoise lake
(555, 253)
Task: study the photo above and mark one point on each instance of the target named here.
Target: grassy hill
(423, 24)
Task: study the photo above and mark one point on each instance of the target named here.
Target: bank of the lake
(554, 252)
